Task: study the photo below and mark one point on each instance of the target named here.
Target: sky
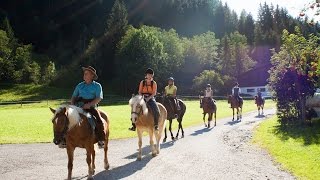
(294, 7)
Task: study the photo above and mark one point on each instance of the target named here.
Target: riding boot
(99, 130)
(133, 128)
(175, 109)
(156, 122)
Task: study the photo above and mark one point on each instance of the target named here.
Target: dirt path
(222, 152)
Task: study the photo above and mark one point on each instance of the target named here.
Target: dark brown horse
(235, 104)
(170, 109)
(209, 108)
(259, 101)
(72, 123)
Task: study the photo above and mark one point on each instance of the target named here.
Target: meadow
(31, 123)
(296, 148)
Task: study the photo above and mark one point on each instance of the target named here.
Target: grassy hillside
(17, 92)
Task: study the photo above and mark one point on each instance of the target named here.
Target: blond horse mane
(138, 100)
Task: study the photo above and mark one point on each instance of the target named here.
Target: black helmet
(208, 85)
(171, 78)
(149, 71)
(236, 84)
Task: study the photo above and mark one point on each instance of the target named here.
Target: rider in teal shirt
(88, 91)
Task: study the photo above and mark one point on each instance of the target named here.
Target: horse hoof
(182, 136)
(154, 154)
(90, 177)
(106, 166)
(172, 138)
(164, 140)
(139, 158)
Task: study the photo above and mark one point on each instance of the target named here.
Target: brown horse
(72, 123)
(235, 104)
(164, 100)
(144, 120)
(259, 101)
(210, 109)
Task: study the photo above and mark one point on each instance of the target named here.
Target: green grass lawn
(32, 123)
(296, 149)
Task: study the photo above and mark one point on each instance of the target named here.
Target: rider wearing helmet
(209, 94)
(148, 88)
(236, 92)
(171, 92)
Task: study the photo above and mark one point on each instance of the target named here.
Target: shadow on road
(260, 116)
(231, 123)
(147, 150)
(201, 131)
(123, 171)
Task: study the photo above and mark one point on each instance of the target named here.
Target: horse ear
(132, 95)
(52, 110)
(64, 110)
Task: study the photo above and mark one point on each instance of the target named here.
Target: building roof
(255, 77)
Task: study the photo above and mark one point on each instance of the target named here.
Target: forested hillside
(196, 41)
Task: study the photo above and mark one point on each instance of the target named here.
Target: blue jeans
(155, 110)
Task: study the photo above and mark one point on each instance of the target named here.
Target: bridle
(137, 113)
(62, 134)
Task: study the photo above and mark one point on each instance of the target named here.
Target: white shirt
(208, 93)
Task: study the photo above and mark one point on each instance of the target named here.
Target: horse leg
(153, 151)
(204, 120)
(89, 154)
(258, 110)
(209, 119)
(70, 152)
(139, 144)
(106, 162)
(93, 157)
(232, 114)
(178, 128)
(262, 109)
(170, 129)
(215, 118)
(165, 135)
(238, 113)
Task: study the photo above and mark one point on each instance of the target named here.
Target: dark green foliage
(293, 77)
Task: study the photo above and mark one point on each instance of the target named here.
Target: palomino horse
(259, 101)
(210, 109)
(144, 121)
(170, 109)
(235, 104)
(72, 123)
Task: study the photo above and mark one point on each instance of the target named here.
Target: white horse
(144, 120)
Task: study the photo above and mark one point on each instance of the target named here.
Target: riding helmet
(149, 71)
(171, 78)
(208, 85)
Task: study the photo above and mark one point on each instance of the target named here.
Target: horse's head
(138, 107)
(60, 123)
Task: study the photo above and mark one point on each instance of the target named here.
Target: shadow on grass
(309, 134)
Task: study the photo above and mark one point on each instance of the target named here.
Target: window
(250, 90)
(262, 89)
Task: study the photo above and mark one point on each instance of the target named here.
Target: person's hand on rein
(86, 106)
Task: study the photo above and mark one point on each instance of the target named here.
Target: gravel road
(222, 152)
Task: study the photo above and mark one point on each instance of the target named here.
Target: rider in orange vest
(148, 88)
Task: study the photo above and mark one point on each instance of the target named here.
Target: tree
(293, 76)
(208, 77)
